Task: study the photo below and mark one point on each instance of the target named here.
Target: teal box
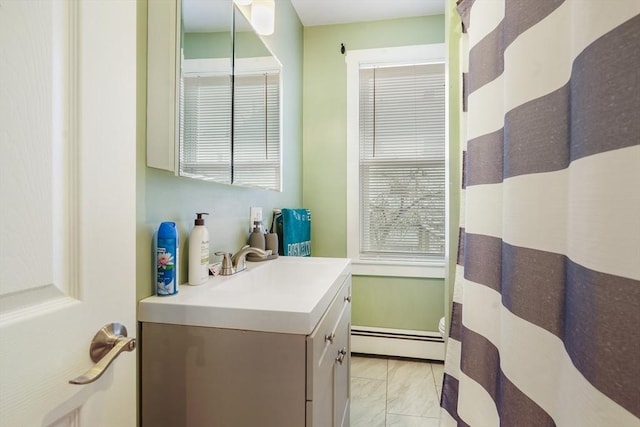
(294, 232)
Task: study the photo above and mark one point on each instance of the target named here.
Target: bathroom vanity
(269, 346)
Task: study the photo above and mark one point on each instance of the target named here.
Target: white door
(67, 208)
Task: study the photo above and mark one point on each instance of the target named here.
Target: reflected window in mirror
(224, 123)
(205, 126)
(205, 92)
(256, 110)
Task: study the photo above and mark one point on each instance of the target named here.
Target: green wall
(218, 45)
(161, 196)
(399, 302)
(389, 302)
(314, 76)
(207, 45)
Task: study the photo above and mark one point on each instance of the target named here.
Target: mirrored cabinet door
(205, 90)
(214, 95)
(256, 109)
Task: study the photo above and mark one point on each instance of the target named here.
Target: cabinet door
(203, 377)
(328, 374)
(342, 369)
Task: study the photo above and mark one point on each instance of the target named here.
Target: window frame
(405, 55)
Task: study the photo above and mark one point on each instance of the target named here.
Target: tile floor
(394, 392)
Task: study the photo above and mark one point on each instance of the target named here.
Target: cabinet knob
(347, 298)
(341, 354)
(330, 337)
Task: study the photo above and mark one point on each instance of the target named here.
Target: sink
(285, 295)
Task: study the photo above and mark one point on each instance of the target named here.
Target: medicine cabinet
(213, 95)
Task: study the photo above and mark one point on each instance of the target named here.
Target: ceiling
(324, 12)
(213, 15)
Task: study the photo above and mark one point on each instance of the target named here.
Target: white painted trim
(222, 66)
(207, 66)
(397, 342)
(256, 65)
(397, 269)
(431, 53)
(66, 163)
(376, 330)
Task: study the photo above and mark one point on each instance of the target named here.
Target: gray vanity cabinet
(203, 376)
(328, 369)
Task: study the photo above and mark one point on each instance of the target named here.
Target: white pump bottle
(199, 252)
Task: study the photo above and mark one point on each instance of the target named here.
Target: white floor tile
(369, 367)
(391, 392)
(368, 402)
(438, 373)
(411, 389)
(409, 421)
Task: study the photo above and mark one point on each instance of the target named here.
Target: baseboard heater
(397, 342)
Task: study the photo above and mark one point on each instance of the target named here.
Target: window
(396, 160)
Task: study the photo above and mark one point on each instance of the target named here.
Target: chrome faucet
(232, 264)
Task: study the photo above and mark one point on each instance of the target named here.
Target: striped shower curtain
(545, 327)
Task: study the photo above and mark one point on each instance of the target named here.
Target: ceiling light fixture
(263, 16)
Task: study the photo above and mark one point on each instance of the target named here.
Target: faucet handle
(238, 261)
(227, 266)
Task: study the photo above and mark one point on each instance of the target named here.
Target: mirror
(256, 109)
(205, 90)
(229, 97)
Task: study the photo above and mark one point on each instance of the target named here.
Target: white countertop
(286, 295)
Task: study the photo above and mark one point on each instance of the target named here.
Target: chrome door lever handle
(107, 344)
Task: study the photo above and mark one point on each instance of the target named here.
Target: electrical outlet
(256, 215)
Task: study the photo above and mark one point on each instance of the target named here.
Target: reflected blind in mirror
(256, 132)
(402, 161)
(205, 127)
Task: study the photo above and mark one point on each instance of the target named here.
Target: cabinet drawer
(325, 342)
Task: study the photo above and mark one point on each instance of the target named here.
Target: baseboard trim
(397, 342)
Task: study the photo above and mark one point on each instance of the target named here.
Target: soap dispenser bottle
(199, 252)
(256, 238)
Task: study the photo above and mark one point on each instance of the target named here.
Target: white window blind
(256, 134)
(205, 127)
(402, 161)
